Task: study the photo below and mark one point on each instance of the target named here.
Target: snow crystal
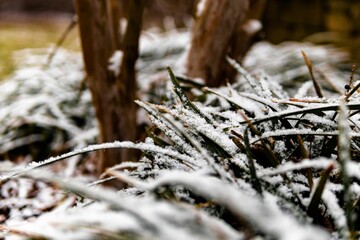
(115, 62)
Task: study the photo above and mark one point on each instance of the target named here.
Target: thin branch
(61, 40)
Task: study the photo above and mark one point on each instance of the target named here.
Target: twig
(353, 90)
(61, 40)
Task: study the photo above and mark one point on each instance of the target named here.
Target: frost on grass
(44, 106)
(243, 161)
(130, 218)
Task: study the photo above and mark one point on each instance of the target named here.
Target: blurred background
(39, 23)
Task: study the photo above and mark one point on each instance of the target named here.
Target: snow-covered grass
(44, 110)
(244, 161)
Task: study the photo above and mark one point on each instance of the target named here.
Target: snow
(344, 136)
(26, 198)
(141, 216)
(240, 101)
(288, 132)
(200, 7)
(123, 26)
(335, 211)
(252, 26)
(96, 147)
(315, 108)
(166, 127)
(303, 90)
(25, 101)
(201, 126)
(320, 163)
(260, 99)
(115, 62)
(353, 169)
(265, 215)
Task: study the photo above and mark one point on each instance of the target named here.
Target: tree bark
(245, 33)
(248, 29)
(213, 33)
(113, 96)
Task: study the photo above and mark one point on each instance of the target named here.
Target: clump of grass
(44, 111)
(238, 162)
(235, 165)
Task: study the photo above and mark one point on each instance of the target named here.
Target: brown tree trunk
(213, 33)
(245, 33)
(113, 95)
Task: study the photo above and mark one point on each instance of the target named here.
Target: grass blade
(254, 179)
(311, 70)
(316, 198)
(344, 157)
(183, 98)
(329, 107)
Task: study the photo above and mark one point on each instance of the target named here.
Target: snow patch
(115, 62)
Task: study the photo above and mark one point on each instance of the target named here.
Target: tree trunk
(213, 32)
(113, 94)
(245, 34)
